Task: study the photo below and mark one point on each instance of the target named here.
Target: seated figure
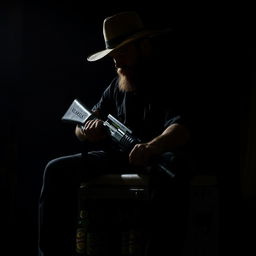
(143, 99)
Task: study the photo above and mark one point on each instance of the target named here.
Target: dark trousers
(58, 202)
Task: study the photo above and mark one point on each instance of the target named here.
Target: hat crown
(120, 26)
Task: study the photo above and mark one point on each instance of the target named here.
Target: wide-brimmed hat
(121, 29)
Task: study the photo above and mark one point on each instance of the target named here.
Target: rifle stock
(77, 113)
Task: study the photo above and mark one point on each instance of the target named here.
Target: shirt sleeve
(175, 115)
(177, 108)
(169, 120)
(106, 103)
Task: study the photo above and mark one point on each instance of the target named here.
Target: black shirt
(146, 114)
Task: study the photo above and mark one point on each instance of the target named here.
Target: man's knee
(60, 171)
(52, 170)
(62, 164)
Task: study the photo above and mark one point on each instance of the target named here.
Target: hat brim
(147, 33)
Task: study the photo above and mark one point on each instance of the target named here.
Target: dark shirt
(146, 114)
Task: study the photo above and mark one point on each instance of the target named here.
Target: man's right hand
(92, 131)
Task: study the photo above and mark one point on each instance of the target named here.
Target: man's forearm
(172, 137)
(78, 130)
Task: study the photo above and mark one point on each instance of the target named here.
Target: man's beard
(126, 80)
(132, 78)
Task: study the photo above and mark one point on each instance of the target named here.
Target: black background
(43, 68)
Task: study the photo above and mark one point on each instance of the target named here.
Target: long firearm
(119, 133)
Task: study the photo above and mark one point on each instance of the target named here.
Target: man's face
(127, 61)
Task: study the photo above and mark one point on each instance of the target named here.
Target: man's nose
(117, 63)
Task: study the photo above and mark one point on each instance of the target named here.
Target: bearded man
(142, 100)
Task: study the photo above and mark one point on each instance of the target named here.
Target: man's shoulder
(114, 82)
(113, 89)
(113, 86)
